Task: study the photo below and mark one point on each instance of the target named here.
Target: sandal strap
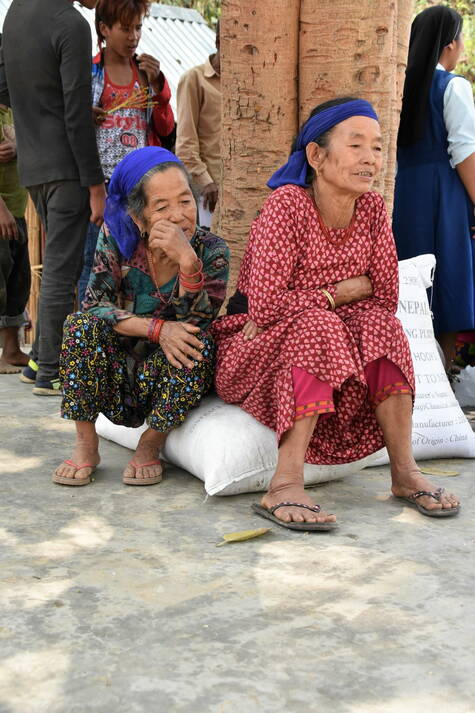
(144, 465)
(420, 493)
(78, 466)
(314, 508)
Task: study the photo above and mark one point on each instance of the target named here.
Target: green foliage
(466, 8)
(210, 9)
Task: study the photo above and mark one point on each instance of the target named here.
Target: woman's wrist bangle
(154, 329)
(192, 286)
(330, 299)
(191, 275)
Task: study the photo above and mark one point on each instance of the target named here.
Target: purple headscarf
(126, 175)
(296, 169)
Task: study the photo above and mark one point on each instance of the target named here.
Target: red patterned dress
(288, 259)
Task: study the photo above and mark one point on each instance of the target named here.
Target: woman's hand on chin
(168, 238)
(353, 289)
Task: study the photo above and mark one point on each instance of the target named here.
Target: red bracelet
(199, 271)
(154, 330)
(192, 286)
(151, 327)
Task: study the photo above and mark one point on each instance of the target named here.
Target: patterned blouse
(120, 288)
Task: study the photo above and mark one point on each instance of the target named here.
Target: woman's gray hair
(137, 199)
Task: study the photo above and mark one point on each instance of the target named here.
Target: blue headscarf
(296, 169)
(126, 175)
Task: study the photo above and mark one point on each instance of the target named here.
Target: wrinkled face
(353, 158)
(169, 197)
(123, 39)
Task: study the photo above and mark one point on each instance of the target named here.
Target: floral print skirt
(101, 372)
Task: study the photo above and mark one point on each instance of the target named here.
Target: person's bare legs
(287, 484)
(86, 450)
(447, 344)
(148, 449)
(12, 359)
(394, 416)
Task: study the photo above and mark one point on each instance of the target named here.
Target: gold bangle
(330, 299)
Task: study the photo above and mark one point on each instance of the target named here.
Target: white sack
(232, 453)
(226, 448)
(440, 428)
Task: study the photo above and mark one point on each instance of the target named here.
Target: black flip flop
(444, 512)
(306, 526)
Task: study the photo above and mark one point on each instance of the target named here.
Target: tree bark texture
(259, 50)
(279, 60)
(356, 49)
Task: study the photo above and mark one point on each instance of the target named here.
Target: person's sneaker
(28, 373)
(47, 388)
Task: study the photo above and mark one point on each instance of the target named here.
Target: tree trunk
(259, 42)
(358, 53)
(341, 48)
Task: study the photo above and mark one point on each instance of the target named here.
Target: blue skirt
(433, 214)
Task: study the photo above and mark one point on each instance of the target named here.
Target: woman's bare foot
(13, 363)
(86, 450)
(290, 489)
(406, 484)
(142, 466)
(12, 355)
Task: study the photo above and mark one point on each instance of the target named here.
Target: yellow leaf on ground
(438, 471)
(243, 535)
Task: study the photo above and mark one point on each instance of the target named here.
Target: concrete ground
(115, 599)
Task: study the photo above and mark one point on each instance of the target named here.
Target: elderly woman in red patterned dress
(319, 355)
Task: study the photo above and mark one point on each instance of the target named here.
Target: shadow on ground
(116, 600)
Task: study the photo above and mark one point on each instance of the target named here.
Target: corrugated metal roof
(178, 37)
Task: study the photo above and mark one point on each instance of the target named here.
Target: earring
(144, 236)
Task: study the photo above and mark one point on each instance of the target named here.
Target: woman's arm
(201, 308)
(275, 240)
(459, 118)
(466, 171)
(383, 271)
(162, 121)
(104, 287)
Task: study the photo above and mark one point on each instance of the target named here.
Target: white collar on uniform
(209, 70)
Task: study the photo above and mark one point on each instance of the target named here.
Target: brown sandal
(443, 512)
(307, 526)
(62, 480)
(143, 481)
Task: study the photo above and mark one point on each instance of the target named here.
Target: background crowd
(68, 183)
(93, 114)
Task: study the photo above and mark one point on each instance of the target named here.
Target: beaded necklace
(345, 233)
(153, 275)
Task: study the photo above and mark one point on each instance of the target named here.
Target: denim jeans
(89, 250)
(63, 207)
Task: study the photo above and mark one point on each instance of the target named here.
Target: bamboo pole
(35, 249)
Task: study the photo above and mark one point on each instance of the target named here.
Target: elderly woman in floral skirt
(318, 354)
(142, 349)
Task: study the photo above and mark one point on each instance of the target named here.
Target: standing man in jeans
(47, 63)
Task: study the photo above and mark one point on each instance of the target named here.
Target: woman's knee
(84, 322)
(82, 330)
(79, 320)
